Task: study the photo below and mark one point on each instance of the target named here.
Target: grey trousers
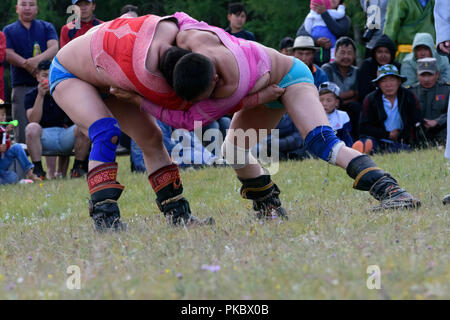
(18, 112)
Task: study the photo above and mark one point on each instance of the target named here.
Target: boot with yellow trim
(264, 193)
(166, 183)
(105, 191)
(380, 184)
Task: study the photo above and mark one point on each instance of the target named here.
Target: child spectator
(237, 15)
(286, 46)
(8, 154)
(316, 26)
(339, 120)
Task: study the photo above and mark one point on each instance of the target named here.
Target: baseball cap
(75, 1)
(427, 65)
(331, 87)
(287, 42)
(388, 70)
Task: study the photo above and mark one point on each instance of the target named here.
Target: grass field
(322, 252)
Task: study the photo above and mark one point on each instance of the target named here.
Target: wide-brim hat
(304, 42)
(388, 70)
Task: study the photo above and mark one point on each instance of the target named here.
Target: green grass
(322, 252)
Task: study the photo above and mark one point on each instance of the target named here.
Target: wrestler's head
(168, 61)
(194, 77)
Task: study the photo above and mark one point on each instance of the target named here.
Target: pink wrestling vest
(120, 48)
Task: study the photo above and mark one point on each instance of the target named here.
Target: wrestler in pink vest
(120, 46)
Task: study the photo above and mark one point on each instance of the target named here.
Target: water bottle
(36, 49)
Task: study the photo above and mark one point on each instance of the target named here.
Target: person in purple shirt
(28, 42)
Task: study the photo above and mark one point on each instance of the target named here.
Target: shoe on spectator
(77, 172)
(365, 147)
(40, 174)
(446, 199)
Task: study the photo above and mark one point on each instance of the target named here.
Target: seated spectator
(316, 26)
(8, 154)
(130, 10)
(50, 129)
(286, 46)
(187, 152)
(433, 97)
(237, 16)
(338, 28)
(339, 120)
(2, 59)
(423, 47)
(390, 115)
(383, 53)
(344, 74)
(304, 50)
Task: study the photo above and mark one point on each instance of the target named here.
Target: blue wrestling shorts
(57, 74)
(299, 73)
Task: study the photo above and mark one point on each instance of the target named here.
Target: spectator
(50, 129)
(423, 47)
(442, 24)
(338, 28)
(130, 10)
(8, 154)
(286, 46)
(383, 53)
(406, 18)
(344, 74)
(87, 22)
(376, 18)
(237, 16)
(28, 42)
(304, 50)
(433, 98)
(339, 120)
(390, 115)
(316, 26)
(2, 59)
(192, 150)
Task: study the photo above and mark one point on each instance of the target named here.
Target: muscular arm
(13, 58)
(35, 114)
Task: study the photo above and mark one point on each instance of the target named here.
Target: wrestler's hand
(270, 93)
(126, 96)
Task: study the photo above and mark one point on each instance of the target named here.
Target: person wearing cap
(87, 22)
(28, 42)
(286, 46)
(390, 115)
(304, 49)
(433, 96)
(339, 120)
(423, 47)
(345, 75)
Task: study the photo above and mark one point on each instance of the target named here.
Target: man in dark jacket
(390, 115)
(383, 53)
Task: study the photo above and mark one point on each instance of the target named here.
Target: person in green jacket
(433, 97)
(404, 19)
(423, 47)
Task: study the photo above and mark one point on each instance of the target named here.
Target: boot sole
(397, 205)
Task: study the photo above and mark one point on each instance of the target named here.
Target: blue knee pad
(101, 132)
(320, 142)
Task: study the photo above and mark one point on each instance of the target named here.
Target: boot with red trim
(166, 183)
(105, 191)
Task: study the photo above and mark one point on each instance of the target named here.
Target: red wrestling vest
(120, 48)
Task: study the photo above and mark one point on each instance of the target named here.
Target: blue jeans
(58, 139)
(15, 152)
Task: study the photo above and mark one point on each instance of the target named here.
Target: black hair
(287, 42)
(44, 65)
(2, 106)
(236, 8)
(129, 8)
(168, 61)
(192, 76)
(345, 41)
